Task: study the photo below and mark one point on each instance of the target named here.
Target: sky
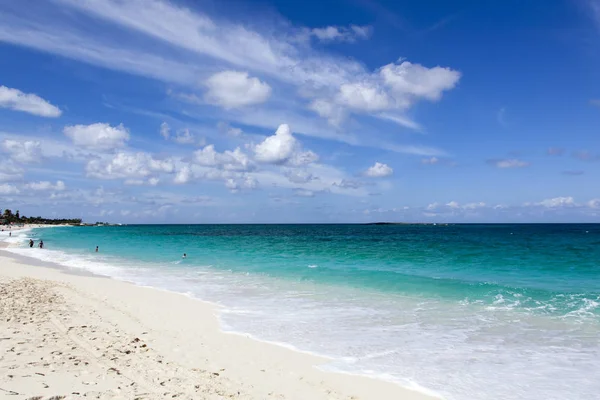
(156, 111)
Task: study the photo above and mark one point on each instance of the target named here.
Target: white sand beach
(79, 336)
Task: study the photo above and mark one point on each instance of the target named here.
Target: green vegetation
(7, 217)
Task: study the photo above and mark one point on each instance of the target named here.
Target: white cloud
(453, 204)
(299, 176)
(430, 161)
(379, 170)
(400, 120)
(247, 182)
(233, 89)
(235, 160)
(6, 189)
(165, 130)
(14, 99)
(509, 163)
(363, 96)
(23, 151)
(334, 114)
(473, 206)
(341, 34)
(594, 203)
(184, 175)
(558, 202)
(184, 137)
(98, 136)
(46, 186)
(140, 182)
(304, 193)
(211, 45)
(283, 148)
(127, 165)
(409, 81)
(10, 172)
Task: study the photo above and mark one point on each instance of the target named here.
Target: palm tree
(18, 216)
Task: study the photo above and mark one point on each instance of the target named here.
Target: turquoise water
(463, 311)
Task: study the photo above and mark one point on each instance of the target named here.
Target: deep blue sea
(469, 312)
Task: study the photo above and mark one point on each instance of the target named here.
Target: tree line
(9, 218)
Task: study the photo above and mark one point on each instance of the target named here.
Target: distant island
(7, 217)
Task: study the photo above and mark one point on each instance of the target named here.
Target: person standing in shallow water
(96, 249)
(30, 242)
(41, 244)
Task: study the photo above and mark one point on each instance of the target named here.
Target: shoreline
(262, 368)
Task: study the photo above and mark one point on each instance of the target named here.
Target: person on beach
(30, 242)
(41, 244)
(9, 234)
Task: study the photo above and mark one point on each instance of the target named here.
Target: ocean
(466, 312)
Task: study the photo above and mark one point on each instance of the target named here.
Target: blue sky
(270, 111)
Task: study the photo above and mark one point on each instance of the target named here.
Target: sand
(79, 336)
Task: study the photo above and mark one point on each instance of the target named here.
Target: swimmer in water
(184, 255)
(96, 249)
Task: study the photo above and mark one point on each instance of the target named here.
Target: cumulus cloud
(364, 96)
(508, 163)
(235, 160)
(379, 170)
(46, 186)
(395, 86)
(6, 189)
(235, 185)
(233, 89)
(127, 165)
(14, 99)
(183, 175)
(283, 148)
(98, 136)
(408, 81)
(23, 151)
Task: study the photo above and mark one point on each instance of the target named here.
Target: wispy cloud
(573, 172)
(508, 163)
(191, 49)
(586, 155)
